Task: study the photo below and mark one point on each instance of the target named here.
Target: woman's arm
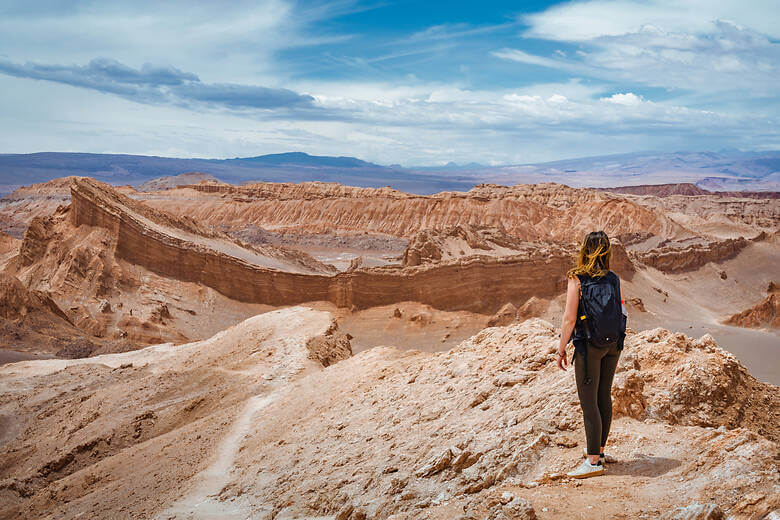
(569, 319)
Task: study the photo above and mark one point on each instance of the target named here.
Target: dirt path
(204, 500)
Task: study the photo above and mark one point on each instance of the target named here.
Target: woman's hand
(562, 363)
(569, 317)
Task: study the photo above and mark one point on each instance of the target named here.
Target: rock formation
(9, 247)
(673, 259)
(533, 308)
(530, 212)
(248, 424)
(31, 323)
(434, 245)
(687, 189)
(175, 181)
(763, 314)
(505, 315)
(183, 250)
(19, 208)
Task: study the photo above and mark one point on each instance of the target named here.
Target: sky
(393, 82)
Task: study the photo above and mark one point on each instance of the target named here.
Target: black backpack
(600, 313)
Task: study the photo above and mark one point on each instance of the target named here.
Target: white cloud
(586, 20)
(532, 59)
(627, 99)
(727, 58)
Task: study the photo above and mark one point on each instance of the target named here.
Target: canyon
(317, 350)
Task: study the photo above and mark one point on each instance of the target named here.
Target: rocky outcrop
(175, 181)
(330, 347)
(433, 245)
(505, 315)
(660, 190)
(533, 308)
(763, 314)
(671, 259)
(182, 249)
(19, 208)
(530, 212)
(17, 302)
(9, 248)
(420, 436)
(31, 322)
(688, 189)
(248, 424)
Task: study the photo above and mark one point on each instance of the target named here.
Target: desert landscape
(315, 260)
(190, 348)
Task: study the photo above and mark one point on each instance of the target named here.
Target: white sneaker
(586, 469)
(602, 458)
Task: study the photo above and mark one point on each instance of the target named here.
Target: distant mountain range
(754, 171)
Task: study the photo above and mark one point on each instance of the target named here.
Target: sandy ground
(116, 436)
(342, 257)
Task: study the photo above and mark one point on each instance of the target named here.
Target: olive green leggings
(596, 396)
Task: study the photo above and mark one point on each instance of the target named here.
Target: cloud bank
(158, 85)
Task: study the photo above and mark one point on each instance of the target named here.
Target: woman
(594, 367)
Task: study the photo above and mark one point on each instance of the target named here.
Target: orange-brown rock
(637, 304)
(32, 323)
(660, 190)
(688, 189)
(764, 314)
(672, 259)
(17, 302)
(39, 200)
(533, 308)
(182, 249)
(433, 245)
(9, 247)
(147, 332)
(716, 217)
(505, 315)
(175, 181)
(531, 212)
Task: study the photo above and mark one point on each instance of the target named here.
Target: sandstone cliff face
(673, 259)
(19, 208)
(530, 212)
(764, 314)
(9, 247)
(717, 216)
(32, 323)
(146, 236)
(432, 245)
(466, 243)
(247, 423)
(175, 181)
(688, 189)
(181, 249)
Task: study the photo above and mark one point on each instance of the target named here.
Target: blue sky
(415, 83)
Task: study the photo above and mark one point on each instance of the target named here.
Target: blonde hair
(595, 254)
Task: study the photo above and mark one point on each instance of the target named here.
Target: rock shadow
(643, 466)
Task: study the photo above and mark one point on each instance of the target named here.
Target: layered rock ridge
(182, 249)
(530, 212)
